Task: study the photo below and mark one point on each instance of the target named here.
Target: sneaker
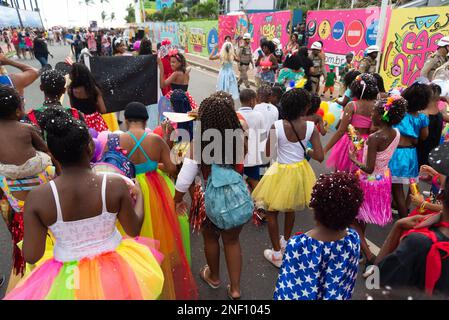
(283, 244)
(270, 255)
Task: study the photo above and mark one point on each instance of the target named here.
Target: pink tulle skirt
(339, 158)
(376, 207)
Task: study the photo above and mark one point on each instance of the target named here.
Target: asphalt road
(258, 276)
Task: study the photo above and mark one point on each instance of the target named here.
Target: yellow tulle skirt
(111, 121)
(286, 187)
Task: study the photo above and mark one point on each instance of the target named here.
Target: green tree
(131, 17)
(112, 17)
(104, 16)
(206, 10)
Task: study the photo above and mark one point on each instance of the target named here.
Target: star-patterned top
(316, 270)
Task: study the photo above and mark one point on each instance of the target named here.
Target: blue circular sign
(338, 30)
(371, 33)
(212, 40)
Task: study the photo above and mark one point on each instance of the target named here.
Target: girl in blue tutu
(227, 80)
(413, 128)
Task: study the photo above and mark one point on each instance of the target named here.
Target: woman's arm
(131, 218)
(393, 239)
(169, 166)
(35, 232)
(37, 141)
(424, 134)
(274, 62)
(317, 152)
(101, 106)
(342, 129)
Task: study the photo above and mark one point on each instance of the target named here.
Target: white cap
(372, 49)
(247, 36)
(316, 46)
(118, 41)
(443, 42)
(276, 42)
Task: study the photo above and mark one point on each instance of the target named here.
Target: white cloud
(73, 13)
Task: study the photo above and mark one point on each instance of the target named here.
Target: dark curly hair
(436, 90)
(66, 137)
(10, 101)
(217, 113)
(269, 44)
(397, 110)
(264, 93)
(350, 77)
(315, 105)
(336, 200)
(53, 83)
(380, 82)
(81, 76)
(146, 47)
(418, 96)
(295, 104)
(182, 60)
(364, 87)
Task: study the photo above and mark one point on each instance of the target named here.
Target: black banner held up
(126, 79)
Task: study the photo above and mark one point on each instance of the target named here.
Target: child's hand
(417, 200)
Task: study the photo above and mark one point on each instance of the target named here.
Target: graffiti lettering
(268, 31)
(438, 25)
(412, 55)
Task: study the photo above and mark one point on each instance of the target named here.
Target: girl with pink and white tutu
(374, 174)
(358, 114)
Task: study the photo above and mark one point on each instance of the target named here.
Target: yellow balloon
(325, 106)
(329, 118)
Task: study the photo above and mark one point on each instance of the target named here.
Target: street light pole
(381, 29)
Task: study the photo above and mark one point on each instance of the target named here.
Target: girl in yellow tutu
(287, 185)
(91, 260)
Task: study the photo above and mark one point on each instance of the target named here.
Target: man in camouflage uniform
(369, 63)
(319, 66)
(436, 60)
(245, 57)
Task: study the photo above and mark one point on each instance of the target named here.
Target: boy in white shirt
(256, 127)
(264, 106)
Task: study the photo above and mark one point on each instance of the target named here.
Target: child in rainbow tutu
(374, 174)
(91, 260)
(23, 164)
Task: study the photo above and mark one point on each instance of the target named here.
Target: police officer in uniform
(436, 60)
(319, 66)
(245, 57)
(369, 63)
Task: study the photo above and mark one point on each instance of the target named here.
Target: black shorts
(252, 172)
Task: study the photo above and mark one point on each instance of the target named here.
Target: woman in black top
(41, 50)
(86, 96)
(307, 64)
(417, 259)
(435, 127)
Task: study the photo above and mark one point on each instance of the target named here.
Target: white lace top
(80, 239)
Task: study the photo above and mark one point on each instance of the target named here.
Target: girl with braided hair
(374, 174)
(358, 114)
(215, 113)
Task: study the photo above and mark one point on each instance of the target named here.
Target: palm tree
(104, 16)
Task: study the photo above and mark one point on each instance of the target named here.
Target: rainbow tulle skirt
(131, 272)
(162, 223)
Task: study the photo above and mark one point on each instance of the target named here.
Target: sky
(73, 13)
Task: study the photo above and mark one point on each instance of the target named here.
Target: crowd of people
(113, 206)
